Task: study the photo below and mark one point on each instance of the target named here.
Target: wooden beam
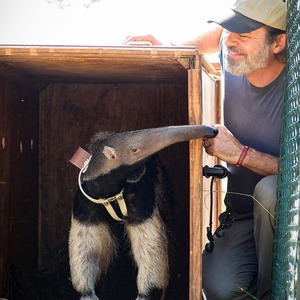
(195, 117)
(98, 64)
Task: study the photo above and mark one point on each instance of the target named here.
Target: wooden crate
(53, 99)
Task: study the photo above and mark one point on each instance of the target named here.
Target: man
(252, 40)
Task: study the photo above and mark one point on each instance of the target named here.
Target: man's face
(247, 52)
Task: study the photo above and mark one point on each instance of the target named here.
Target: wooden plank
(100, 64)
(4, 184)
(210, 115)
(18, 177)
(103, 51)
(23, 179)
(195, 113)
(204, 103)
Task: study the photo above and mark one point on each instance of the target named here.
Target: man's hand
(130, 40)
(224, 146)
(228, 148)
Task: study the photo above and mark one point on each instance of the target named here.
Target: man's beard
(249, 63)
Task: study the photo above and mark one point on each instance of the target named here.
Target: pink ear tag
(79, 158)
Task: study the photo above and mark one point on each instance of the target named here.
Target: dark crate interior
(53, 100)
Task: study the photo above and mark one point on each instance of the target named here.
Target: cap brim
(238, 23)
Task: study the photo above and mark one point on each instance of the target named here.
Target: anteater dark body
(147, 229)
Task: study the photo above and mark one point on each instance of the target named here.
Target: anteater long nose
(159, 138)
(190, 132)
(183, 133)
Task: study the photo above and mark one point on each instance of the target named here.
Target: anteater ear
(109, 152)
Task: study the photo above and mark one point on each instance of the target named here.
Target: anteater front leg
(91, 248)
(149, 246)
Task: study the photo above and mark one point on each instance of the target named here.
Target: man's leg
(264, 224)
(232, 266)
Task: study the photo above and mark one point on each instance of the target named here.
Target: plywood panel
(70, 114)
(18, 182)
(204, 91)
(211, 115)
(4, 175)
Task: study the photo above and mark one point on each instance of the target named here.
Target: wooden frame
(37, 66)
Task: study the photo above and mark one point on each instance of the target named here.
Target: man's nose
(230, 38)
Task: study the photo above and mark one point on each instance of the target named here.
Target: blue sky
(105, 22)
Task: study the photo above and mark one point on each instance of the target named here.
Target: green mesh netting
(286, 264)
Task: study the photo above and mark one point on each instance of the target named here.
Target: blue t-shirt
(253, 115)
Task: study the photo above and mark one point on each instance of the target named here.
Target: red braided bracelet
(242, 156)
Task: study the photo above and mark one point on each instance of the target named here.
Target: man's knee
(221, 291)
(265, 193)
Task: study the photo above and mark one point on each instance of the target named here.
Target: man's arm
(206, 43)
(261, 163)
(227, 148)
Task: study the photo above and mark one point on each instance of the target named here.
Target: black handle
(216, 171)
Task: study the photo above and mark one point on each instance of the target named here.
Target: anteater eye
(135, 150)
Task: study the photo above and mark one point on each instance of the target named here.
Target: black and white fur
(125, 161)
(93, 245)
